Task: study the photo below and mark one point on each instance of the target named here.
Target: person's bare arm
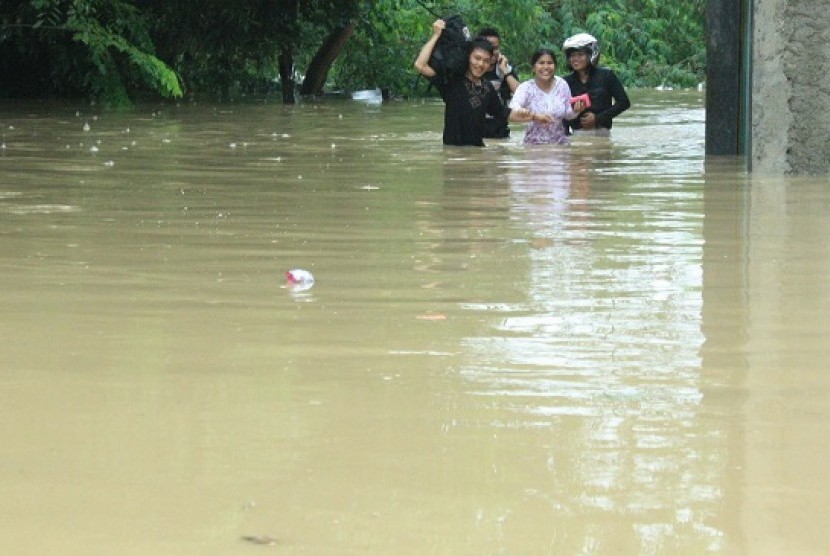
(525, 115)
(512, 82)
(422, 61)
(507, 70)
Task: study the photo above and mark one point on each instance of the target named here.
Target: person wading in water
(468, 97)
(607, 94)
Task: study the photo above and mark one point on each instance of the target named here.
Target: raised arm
(422, 61)
(510, 78)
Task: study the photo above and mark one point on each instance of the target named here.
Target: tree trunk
(318, 69)
(286, 62)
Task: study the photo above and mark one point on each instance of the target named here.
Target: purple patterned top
(556, 103)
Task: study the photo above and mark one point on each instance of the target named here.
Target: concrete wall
(791, 87)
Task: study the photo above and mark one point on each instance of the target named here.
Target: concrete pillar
(790, 87)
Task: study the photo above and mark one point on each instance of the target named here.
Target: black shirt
(602, 87)
(466, 104)
(495, 125)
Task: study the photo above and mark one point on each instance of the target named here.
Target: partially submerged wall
(791, 87)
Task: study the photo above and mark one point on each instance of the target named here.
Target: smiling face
(479, 62)
(544, 67)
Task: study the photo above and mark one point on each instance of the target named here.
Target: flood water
(619, 347)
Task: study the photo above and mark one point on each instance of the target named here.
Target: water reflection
(764, 300)
(602, 350)
(609, 280)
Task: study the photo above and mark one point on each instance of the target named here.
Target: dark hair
(482, 44)
(489, 32)
(541, 52)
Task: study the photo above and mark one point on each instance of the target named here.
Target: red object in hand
(585, 98)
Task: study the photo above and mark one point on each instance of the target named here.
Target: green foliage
(391, 32)
(376, 56)
(648, 42)
(112, 50)
(114, 34)
(224, 48)
(100, 48)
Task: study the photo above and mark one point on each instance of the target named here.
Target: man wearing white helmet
(603, 87)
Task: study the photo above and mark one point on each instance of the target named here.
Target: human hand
(579, 106)
(504, 65)
(588, 120)
(438, 26)
(544, 118)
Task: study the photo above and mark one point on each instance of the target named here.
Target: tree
(315, 78)
(117, 50)
(224, 48)
(99, 47)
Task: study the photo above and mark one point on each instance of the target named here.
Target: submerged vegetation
(115, 51)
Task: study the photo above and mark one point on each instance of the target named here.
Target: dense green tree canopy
(115, 51)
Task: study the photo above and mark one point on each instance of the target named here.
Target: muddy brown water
(619, 347)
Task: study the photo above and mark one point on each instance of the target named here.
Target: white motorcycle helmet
(584, 42)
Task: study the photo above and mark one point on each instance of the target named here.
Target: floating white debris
(298, 279)
(369, 96)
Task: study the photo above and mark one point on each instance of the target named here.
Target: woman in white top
(549, 95)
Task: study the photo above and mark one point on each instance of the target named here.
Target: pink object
(584, 98)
